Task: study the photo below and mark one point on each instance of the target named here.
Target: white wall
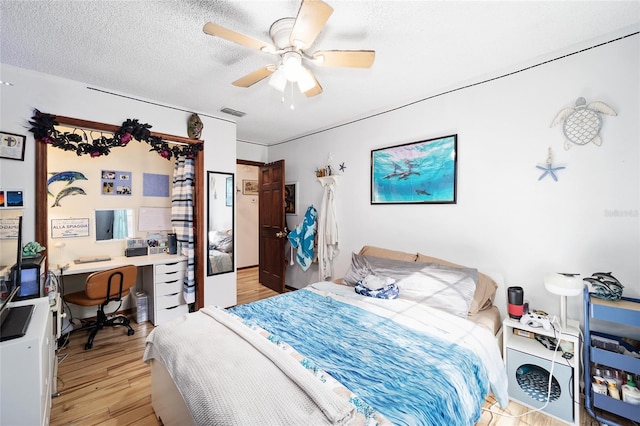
(73, 99)
(246, 219)
(505, 219)
(251, 152)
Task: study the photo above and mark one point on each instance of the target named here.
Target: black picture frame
(12, 146)
(291, 198)
(422, 172)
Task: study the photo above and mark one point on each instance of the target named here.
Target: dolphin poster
(419, 172)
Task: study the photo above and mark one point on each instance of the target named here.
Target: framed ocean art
(421, 172)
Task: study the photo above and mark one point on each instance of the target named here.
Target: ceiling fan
(292, 37)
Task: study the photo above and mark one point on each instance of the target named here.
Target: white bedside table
(528, 365)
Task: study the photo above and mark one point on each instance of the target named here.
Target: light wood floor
(110, 385)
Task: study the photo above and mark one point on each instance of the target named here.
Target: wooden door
(272, 226)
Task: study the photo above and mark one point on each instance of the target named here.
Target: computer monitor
(32, 277)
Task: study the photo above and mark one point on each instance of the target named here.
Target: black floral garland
(44, 129)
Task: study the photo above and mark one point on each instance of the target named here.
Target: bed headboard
(500, 299)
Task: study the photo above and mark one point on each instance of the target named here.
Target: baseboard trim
(246, 267)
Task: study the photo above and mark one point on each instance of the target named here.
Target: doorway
(263, 244)
(246, 216)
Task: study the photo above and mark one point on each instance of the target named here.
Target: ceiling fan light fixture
(278, 80)
(291, 37)
(306, 81)
(292, 65)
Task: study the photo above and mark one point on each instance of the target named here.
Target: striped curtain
(182, 220)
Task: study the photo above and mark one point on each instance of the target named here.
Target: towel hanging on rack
(327, 230)
(303, 237)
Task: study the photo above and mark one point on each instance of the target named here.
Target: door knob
(281, 234)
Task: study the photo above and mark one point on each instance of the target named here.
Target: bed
(220, 261)
(328, 355)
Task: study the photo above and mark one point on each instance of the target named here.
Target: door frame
(262, 164)
(256, 164)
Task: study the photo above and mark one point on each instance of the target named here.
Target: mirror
(114, 224)
(220, 197)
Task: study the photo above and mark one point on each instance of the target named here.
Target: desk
(149, 260)
(161, 275)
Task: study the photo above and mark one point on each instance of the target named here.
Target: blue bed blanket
(411, 376)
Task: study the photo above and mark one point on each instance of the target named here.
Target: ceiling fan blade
(312, 16)
(345, 58)
(244, 40)
(254, 77)
(315, 89)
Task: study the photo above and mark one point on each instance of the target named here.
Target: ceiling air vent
(233, 112)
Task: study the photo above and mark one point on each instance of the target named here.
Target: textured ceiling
(156, 50)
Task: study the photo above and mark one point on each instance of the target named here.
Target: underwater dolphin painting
(67, 176)
(70, 190)
(417, 172)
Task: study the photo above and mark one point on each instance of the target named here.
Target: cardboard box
(524, 333)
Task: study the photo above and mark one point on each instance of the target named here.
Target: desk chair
(100, 289)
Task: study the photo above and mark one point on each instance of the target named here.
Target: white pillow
(221, 241)
(448, 289)
(444, 287)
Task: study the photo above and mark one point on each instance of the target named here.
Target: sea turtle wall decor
(582, 123)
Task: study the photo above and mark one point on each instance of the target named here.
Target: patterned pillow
(389, 291)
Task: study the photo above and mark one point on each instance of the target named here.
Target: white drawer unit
(27, 370)
(163, 285)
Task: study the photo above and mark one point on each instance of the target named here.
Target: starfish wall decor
(549, 169)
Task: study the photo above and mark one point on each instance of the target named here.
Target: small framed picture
(69, 228)
(291, 198)
(116, 182)
(249, 187)
(11, 199)
(12, 146)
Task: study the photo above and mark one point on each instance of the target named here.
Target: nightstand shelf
(529, 363)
